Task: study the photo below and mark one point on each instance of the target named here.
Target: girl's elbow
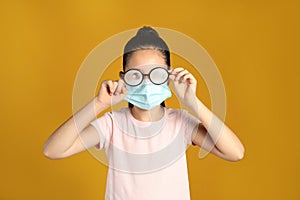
(51, 156)
(48, 155)
(238, 156)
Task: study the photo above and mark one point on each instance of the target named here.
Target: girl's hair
(146, 38)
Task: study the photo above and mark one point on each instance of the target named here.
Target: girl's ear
(121, 74)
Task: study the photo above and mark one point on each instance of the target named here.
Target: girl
(146, 142)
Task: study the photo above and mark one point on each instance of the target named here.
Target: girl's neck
(154, 114)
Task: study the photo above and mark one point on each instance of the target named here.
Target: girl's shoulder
(176, 112)
(180, 114)
(122, 112)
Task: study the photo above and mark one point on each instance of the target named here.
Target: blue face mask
(147, 95)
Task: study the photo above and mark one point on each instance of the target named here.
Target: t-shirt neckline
(146, 123)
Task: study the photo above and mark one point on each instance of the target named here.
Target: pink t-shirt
(147, 160)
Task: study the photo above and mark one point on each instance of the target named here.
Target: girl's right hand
(111, 92)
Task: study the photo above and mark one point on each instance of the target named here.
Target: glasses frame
(122, 74)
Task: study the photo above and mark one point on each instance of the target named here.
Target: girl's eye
(133, 77)
(136, 75)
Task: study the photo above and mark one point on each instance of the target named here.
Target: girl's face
(145, 59)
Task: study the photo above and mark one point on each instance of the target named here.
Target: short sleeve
(191, 123)
(103, 126)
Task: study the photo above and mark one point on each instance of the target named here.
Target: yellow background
(255, 45)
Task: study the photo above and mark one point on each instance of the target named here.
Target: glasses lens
(133, 77)
(159, 75)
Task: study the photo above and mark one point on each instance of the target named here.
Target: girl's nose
(146, 76)
(146, 81)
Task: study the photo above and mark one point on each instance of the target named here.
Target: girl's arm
(65, 136)
(68, 138)
(221, 140)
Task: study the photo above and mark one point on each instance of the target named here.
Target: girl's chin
(144, 109)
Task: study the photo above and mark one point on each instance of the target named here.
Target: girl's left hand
(185, 85)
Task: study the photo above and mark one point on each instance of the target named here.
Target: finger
(123, 86)
(171, 71)
(182, 79)
(120, 84)
(181, 74)
(177, 70)
(172, 77)
(109, 86)
(124, 90)
(189, 77)
(115, 85)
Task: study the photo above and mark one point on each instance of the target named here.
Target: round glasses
(134, 77)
